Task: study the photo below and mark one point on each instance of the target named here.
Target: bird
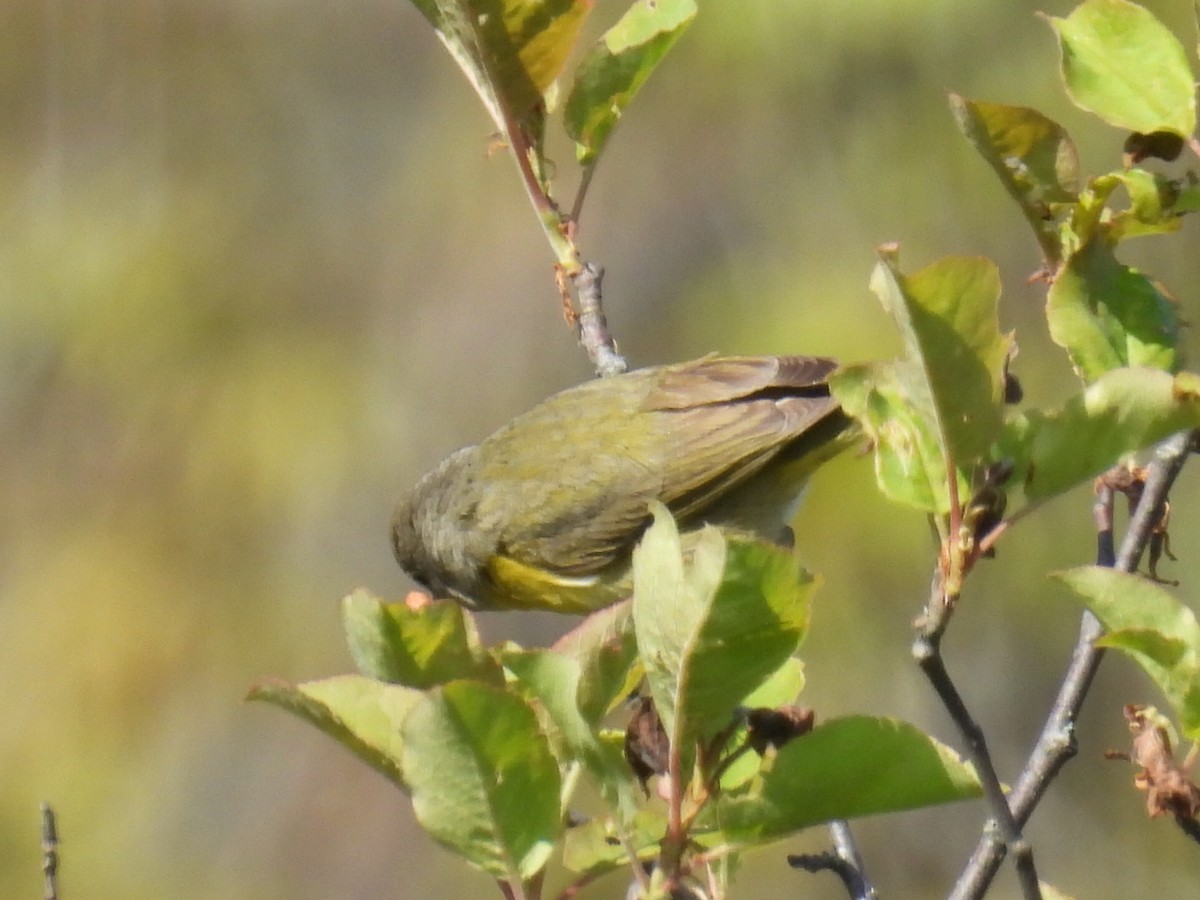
(545, 513)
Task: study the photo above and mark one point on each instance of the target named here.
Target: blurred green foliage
(257, 272)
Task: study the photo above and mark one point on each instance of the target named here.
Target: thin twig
(1056, 744)
(585, 181)
(927, 652)
(594, 336)
(825, 862)
(844, 861)
(49, 853)
(846, 848)
(1102, 512)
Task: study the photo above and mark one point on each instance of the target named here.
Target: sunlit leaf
(1125, 66)
(617, 66)
(1108, 315)
(1031, 154)
(483, 779)
(1150, 626)
(947, 315)
(784, 686)
(781, 689)
(417, 647)
(1087, 219)
(362, 714)
(1122, 411)
(510, 50)
(1050, 892)
(844, 768)
(1151, 207)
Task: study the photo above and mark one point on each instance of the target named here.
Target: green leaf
(1087, 218)
(361, 714)
(417, 647)
(1050, 892)
(595, 847)
(510, 50)
(897, 415)
(1108, 315)
(848, 767)
(782, 687)
(1151, 207)
(1121, 63)
(948, 319)
(713, 626)
(552, 680)
(1031, 154)
(483, 779)
(1188, 198)
(603, 645)
(1122, 411)
(616, 68)
(1150, 626)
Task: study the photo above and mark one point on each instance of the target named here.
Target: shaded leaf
(594, 847)
(1150, 626)
(360, 713)
(1187, 200)
(1108, 315)
(553, 680)
(1121, 63)
(483, 779)
(714, 626)
(848, 767)
(603, 645)
(616, 68)
(417, 647)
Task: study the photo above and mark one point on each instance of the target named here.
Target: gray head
(435, 530)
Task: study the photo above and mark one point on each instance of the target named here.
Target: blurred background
(258, 272)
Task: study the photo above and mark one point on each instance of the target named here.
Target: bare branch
(594, 336)
(927, 652)
(49, 853)
(844, 861)
(1057, 744)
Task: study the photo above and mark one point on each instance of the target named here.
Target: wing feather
(704, 428)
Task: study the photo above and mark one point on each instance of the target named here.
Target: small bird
(545, 513)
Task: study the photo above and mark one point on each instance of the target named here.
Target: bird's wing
(708, 426)
(743, 412)
(587, 483)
